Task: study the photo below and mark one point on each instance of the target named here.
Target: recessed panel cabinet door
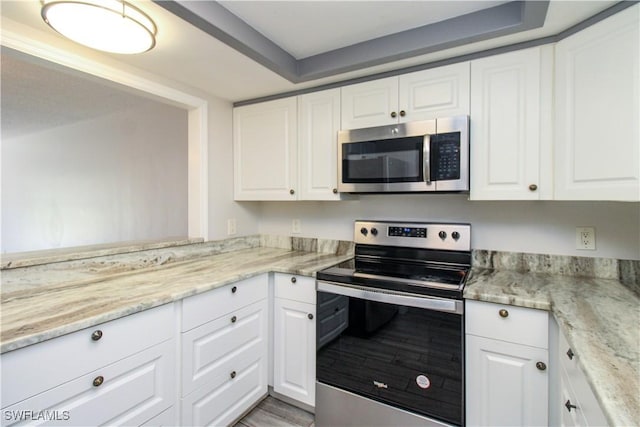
(504, 386)
(511, 126)
(597, 113)
(368, 104)
(294, 350)
(265, 150)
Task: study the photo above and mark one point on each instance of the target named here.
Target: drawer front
(133, 390)
(34, 369)
(507, 323)
(222, 403)
(294, 287)
(588, 406)
(200, 309)
(211, 352)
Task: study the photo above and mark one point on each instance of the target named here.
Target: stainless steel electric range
(390, 327)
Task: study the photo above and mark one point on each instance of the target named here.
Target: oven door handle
(391, 297)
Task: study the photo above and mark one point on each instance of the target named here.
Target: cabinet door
(264, 150)
(597, 95)
(504, 387)
(368, 104)
(510, 144)
(319, 123)
(131, 392)
(294, 350)
(434, 93)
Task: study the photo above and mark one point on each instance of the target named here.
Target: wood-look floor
(272, 412)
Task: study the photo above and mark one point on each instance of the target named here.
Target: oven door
(400, 350)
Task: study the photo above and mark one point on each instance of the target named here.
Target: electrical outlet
(586, 238)
(231, 226)
(295, 226)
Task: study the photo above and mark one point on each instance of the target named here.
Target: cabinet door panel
(265, 150)
(505, 126)
(370, 104)
(319, 123)
(597, 111)
(134, 390)
(434, 93)
(504, 387)
(294, 350)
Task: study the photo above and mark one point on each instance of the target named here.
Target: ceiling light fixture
(109, 25)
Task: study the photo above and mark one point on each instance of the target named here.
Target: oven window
(385, 161)
(406, 357)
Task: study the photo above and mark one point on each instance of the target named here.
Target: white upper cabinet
(511, 145)
(318, 125)
(422, 95)
(597, 93)
(265, 150)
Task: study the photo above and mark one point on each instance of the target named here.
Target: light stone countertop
(600, 319)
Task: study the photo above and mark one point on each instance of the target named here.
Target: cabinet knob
(533, 187)
(569, 406)
(570, 354)
(233, 290)
(402, 113)
(542, 366)
(292, 192)
(335, 191)
(234, 319)
(232, 374)
(97, 381)
(503, 313)
(294, 280)
(96, 335)
(310, 316)
(394, 115)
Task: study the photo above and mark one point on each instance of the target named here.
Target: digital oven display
(407, 232)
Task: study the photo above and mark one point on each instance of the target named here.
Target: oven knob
(443, 235)
(364, 231)
(455, 235)
(374, 231)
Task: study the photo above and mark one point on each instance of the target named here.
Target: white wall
(532, 227)
(120, 177)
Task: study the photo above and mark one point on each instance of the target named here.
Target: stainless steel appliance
(425, 156)
(390, 327)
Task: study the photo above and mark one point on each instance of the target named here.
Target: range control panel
(442, 236)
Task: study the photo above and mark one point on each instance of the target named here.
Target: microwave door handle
(426, 154)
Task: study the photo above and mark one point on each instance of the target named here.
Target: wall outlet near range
(231, 226)
(295, 226)
(586, 238)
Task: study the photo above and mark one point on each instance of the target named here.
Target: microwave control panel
(445, 156)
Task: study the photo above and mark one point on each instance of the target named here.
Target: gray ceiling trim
(218, 22)
(618, 7)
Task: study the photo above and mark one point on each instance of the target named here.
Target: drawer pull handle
(569, 406)
(294, 280)
(233, 290)
(96, 335)
(233, 374)
(310, 316)
(97, 381)
(570, 354)
(542, 366)
(233, 319)
(503, 313)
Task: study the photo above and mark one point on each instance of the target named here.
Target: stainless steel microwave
(424, 156)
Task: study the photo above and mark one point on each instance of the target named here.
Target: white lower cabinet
(117, 373)
(294, 336)
(506, 365)
(224, 357)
